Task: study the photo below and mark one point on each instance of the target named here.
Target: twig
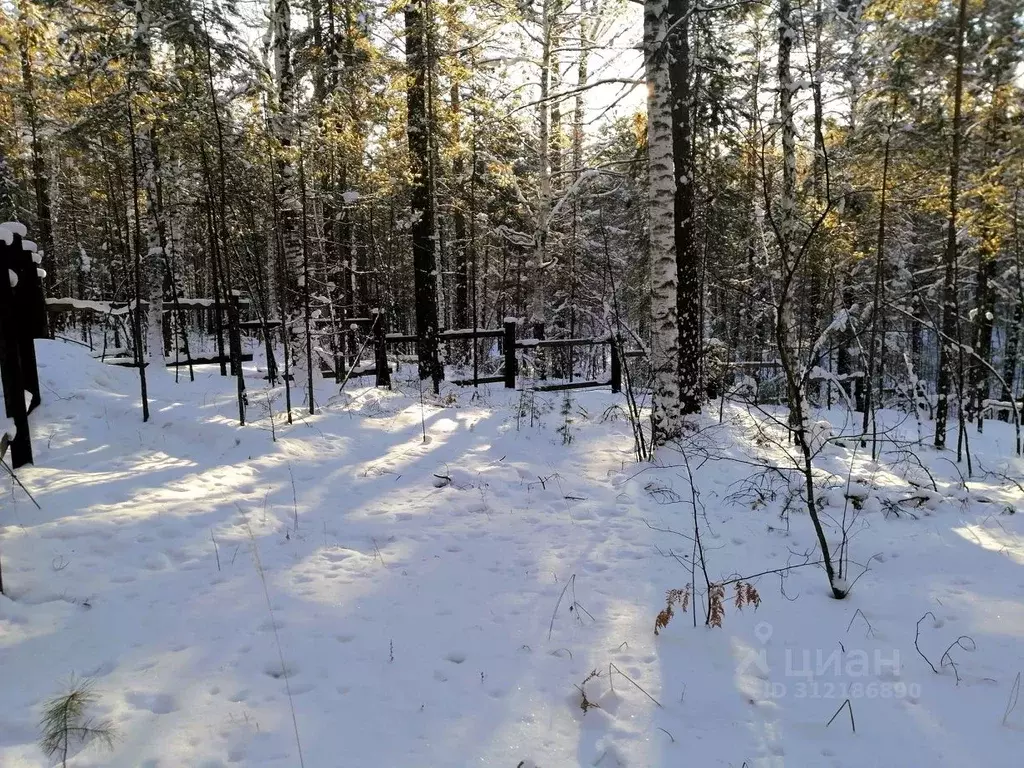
(216, 551)
(783, 569)
(20, 484)
(917, 634)
(667, 734)
(612, 666)
(958, 643)
(871, 630)
(849, 707)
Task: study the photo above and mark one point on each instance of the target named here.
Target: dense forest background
(832, 191)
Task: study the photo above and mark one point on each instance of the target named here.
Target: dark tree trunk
(950, 322)
(424, 256)
(687, 255)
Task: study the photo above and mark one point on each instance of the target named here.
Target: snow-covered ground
(464, 599)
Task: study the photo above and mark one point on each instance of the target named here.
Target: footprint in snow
(157, 703)
(274, 669)
(102, 669)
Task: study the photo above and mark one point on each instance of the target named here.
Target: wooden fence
(510, 346)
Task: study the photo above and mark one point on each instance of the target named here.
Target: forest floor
(487, 594)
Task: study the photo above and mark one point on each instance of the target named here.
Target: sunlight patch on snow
(1004, 543)
(18, 630)
(339, 575)
(62, 479)
(988, 614)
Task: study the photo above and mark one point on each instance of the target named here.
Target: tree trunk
(950, 322)
(461, 313)
(154, 263)
(40, 179)
(538, 303)
(290, 211)
(688, 266)
(665, 410)
(424, 256)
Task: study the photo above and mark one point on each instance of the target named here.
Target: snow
(450, 601)
(13, 277)
(16, 227)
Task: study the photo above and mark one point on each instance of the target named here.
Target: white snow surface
(16, 227)
(448, 601)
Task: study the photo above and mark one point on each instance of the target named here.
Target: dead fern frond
(753, 598)
(680, 597)
(746, 594)
(716, 605)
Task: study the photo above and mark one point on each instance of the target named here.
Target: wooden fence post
(380, 347)
(30, 311)
(510, 353)
(10, 359)
(616, 365)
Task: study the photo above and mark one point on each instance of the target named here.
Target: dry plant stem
(698, 547)
(277, 639)
(551, 625)
(270, 410)
(295, 499)
(216, 551)
(1011, 702)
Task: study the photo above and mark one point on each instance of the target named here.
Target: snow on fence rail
(117, 308)
(122, 309)
(22, 320)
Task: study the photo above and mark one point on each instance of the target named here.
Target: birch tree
(666, 407)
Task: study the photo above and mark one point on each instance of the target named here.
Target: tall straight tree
(688, 265)
(538, 306)
(950, 321)
(424, 255)
(29, 31)
(154, 264)
(666, 410)
(289, 212)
